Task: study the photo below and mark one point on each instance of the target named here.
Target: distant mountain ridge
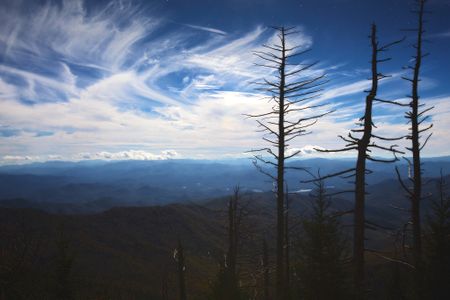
(99, 185)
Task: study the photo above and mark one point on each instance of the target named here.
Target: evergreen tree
(437, 242)
(323, 250)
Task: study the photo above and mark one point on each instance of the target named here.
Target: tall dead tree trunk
(280, 281)
(234, 220)
(291, 91)
(181, 268)
(360, 175)
(164, 287)
(417, 174)
(287, 244)
(364, 146)
(416, 117)
(227, 284)
(265, 265)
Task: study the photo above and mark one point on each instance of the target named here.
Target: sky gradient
(173, 79)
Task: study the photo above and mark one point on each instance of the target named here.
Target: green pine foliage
(321, 270)
(437, 245)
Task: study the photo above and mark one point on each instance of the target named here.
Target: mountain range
(94, 186)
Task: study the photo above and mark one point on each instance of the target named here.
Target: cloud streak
(79, 84)
(208, 29)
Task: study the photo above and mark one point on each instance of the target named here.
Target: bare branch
(329, 176)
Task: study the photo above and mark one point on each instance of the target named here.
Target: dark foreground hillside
(122, 253)
(119, 254)
(128, 252)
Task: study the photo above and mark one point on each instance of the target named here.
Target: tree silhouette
(416, 116)
(178, 255)
(164, 286)
(287, 245)
(289, 88)
(322, 251)
(437, 244)
(364, 146)
(265, 269)
(226, 286)
(234, 220)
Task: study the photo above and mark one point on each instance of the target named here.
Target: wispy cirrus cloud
(102, 37)
(208, 29)
(443, 34)
(93, 84)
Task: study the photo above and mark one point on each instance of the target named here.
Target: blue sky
(172, 79)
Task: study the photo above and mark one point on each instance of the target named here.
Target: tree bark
(265, 263)
(280, 282)
(181, 270)
(417, 175)
(287, 247)
(360, 178)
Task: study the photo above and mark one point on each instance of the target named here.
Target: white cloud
(234, 57)
(65, 84)
(55, 157)
(305, 151)
(79, 37)
(297, 38)
(445, 34)
(132, 104)
(7, 91)
(129, 155)
(208, 29)
(102, 155)
(17, 159)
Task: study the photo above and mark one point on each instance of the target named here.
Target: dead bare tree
(416, 116)
(364, 146)
(233, 276)
(287, 245)
(164, 286)
(290, 88)
(265, 266)
(234, 220)
(178, 255)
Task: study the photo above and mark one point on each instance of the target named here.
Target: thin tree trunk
(232, 238)
(164, 287)
(181, 270)
(280, 282)
(291, 92)
(417, 176)
(360, 180)
(265, 263)
(287, 246)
